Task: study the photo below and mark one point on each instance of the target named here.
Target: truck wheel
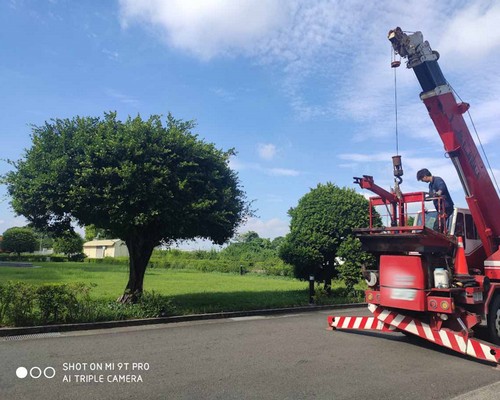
(494, 319)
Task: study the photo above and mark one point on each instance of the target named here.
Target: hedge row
(203, 261)
(24, 304)
(207, 265)
(108, 260)
(225, 266)
(33, 257)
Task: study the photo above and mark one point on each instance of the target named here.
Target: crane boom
(422, 279)
(447, 115)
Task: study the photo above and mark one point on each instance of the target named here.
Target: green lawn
(189, 291)
(110, 280)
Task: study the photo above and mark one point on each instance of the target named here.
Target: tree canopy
(19, 240)
(140, 180)
(91, 233)
(71, 244)
(322, 220)
(251, 247)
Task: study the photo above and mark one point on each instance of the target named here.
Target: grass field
(189, 291)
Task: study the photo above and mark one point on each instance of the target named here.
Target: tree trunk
(140, 250)
(328, 286)
(328, 277)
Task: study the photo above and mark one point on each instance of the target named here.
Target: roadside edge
(30, 330)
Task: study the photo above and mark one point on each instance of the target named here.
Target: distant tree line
(27, 240)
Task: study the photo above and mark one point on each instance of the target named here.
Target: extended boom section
(447, 116)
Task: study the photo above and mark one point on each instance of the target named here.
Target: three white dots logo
(35, 372)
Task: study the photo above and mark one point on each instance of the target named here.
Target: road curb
(31, 330)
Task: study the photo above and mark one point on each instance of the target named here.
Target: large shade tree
(144, 182)
(321, 222)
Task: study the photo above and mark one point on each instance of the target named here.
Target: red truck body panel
(402, 282)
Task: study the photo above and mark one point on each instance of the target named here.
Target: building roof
(99, 243)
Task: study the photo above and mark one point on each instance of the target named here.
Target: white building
(105, 248)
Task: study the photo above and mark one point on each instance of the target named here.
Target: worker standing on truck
(437, 188)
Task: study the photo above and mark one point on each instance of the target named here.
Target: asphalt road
(273, 357)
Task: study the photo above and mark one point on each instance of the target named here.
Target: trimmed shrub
(23, 304)
(17, 304)
(61, 303)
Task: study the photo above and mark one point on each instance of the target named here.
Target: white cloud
(207, 28)
(305, 40)
(112, 55)
(12, 221)
(371, 157)
(266, 228)
(196, 244)
(282, 172)
(224, 94)
(124, 98)
(238, 165)
(266, 151)
(273, 198)
(474, 31)
(327, 45)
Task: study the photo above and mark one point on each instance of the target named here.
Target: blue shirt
(437, 184)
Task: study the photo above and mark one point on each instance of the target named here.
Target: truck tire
(494, 319)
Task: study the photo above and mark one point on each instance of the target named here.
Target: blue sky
(302, 89)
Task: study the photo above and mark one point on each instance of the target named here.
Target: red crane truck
(441, 284)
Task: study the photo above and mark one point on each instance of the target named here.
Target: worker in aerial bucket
(437, 188)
